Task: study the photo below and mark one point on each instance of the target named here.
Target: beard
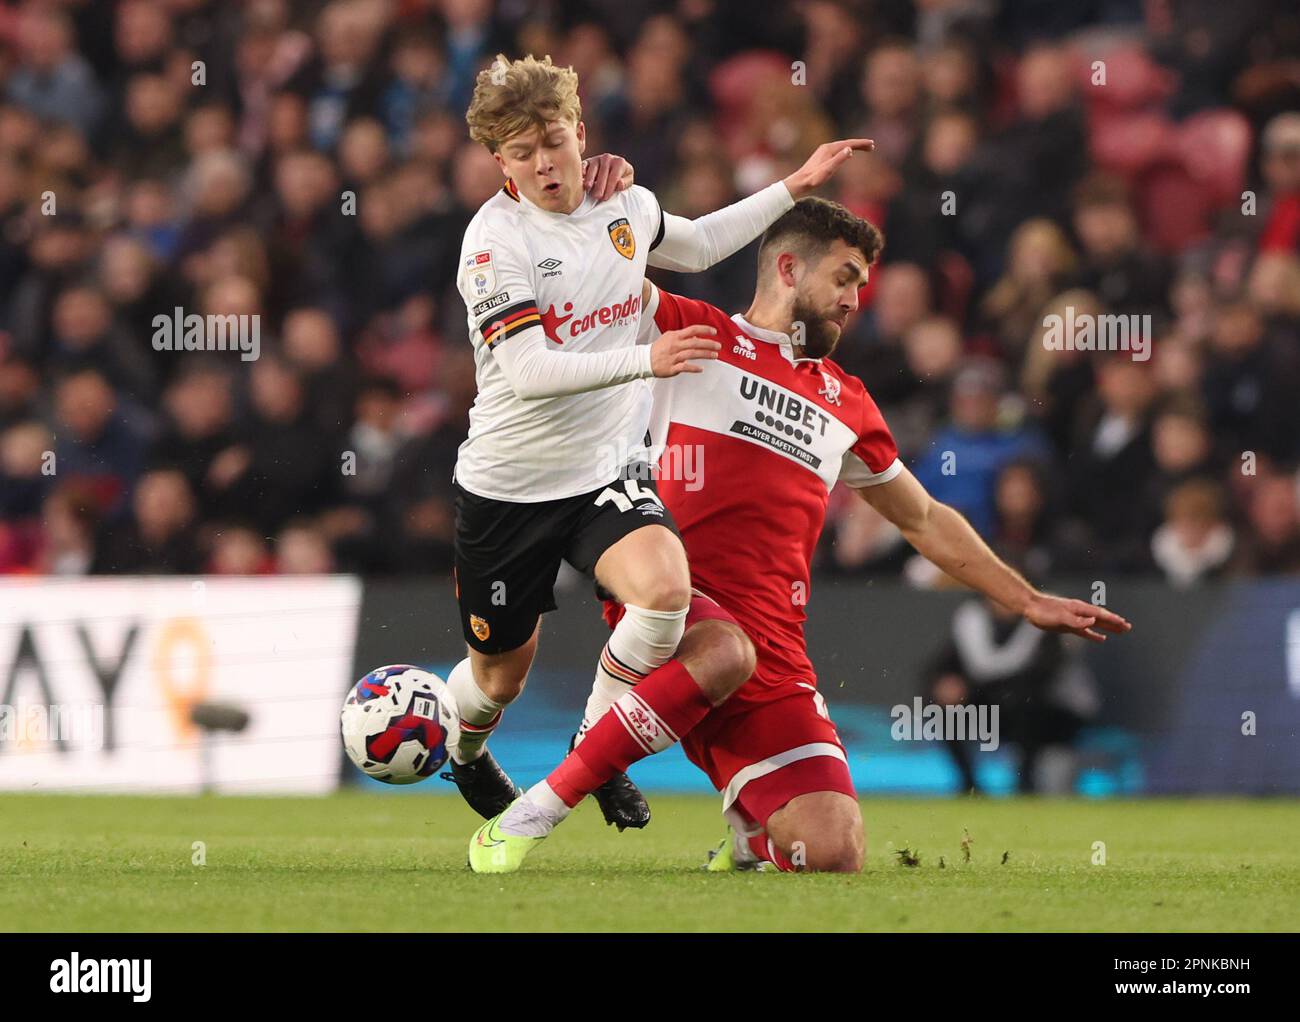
(821, 334)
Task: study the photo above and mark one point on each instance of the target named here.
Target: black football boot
(620, 801)
(484, 785)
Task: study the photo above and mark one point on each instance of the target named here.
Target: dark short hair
(813, 224)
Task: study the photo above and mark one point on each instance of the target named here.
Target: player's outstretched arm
(943, 536)
(821, 166)
(689, 246)
(535, 371)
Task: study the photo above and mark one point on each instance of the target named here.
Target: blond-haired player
(555, 466)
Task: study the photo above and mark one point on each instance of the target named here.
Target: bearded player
(778, 424)
(551, 277)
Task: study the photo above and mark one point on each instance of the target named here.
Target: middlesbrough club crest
(620, 233)
(831, 389)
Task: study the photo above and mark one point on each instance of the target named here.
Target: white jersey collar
(773, 337)
(535, 210)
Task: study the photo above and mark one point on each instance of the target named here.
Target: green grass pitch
(372, 862)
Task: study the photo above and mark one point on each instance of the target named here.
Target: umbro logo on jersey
(549, 264)
(745, 348)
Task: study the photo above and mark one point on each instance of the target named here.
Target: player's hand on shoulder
(677, 350)
(821, 166)
(606, 175)
(1061, 614)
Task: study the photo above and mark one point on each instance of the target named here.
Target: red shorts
(772, 741)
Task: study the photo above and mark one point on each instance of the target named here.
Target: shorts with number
(508, 554)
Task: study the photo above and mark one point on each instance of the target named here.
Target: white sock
(536, 814)
(643, 641)
(479, 715)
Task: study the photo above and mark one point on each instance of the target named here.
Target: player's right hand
(1062, 614)
(676, 350)
(822, 165)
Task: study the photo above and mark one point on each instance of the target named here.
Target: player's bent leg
(719, 656)
(482, 685)
(647, 719)
(501, 676)
(646, 571)
(820, 831)
(787, 793)
(647, 568)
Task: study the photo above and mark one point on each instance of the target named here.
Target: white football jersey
(577, 276)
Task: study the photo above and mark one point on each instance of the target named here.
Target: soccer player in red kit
(749, 450)
(778, 424)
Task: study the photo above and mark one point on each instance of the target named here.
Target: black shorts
(508, 554)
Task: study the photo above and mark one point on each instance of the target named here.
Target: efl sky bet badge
(481, 273)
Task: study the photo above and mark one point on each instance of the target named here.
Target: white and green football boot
(491, 850)
(733, 855)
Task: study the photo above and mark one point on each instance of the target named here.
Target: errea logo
(744, 348)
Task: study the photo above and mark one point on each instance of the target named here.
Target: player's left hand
(1060, 614)
(606, 175)
(823, 163)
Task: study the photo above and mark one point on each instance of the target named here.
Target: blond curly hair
(512, 96)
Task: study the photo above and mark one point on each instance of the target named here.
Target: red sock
(648, 719)
(765, 848)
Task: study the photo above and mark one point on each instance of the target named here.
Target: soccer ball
(398, 724)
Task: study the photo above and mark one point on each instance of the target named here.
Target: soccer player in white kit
(556, 465)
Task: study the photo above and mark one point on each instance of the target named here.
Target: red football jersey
(751, 448)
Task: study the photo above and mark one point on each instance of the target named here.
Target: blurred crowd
(307, 162)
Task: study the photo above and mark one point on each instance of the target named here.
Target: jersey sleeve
(693, 245)
(873, 458)
(496, 283)
(650, 214)
(673, 312)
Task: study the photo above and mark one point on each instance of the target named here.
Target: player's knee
(735, 655)
(719, 656)
(502, 686)
(820, 832)
(661, 593)
(838, 852)
(502, 676)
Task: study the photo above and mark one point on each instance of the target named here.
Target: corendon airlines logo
(558, 328)
(551, 323)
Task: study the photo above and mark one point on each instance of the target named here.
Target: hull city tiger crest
(620, 233)
(479, 627)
